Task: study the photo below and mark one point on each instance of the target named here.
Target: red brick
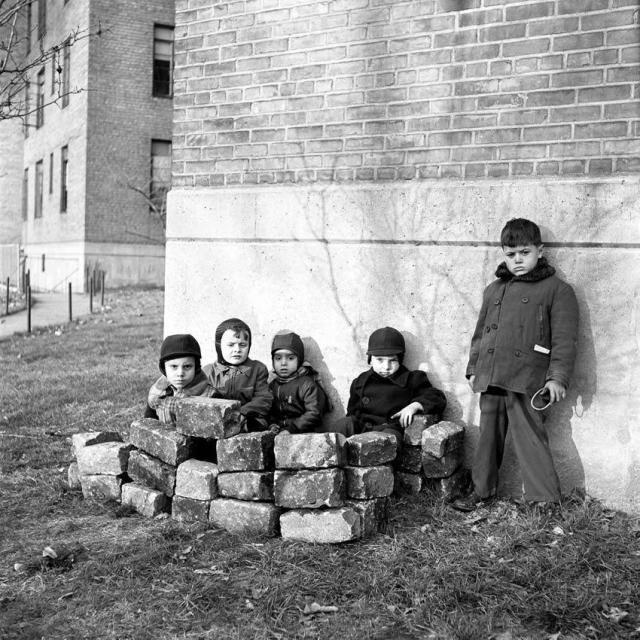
(500, 101)
(615, 18)
(574, 114)
(577, 78)
(521, 151)
(580, 59)
(549, 168)
(473, 154)
(578, 41)
(627, 164)
(432, 24)
(475, 171)
(525, 83)
(601, 166)
(387, 62)
(455, 39)
(472, 88)
(605, 56)
(605, 94)
(415, 43)
(522, 168)
(581, 6)
(525, 47)
(622, 147)
(558, 132)
(630, 54)
(574, 149)
(496, 136)
(624, 74)
(622, 36)
(427, 156)
(601, 130)
(529, 116)
(550, 98)
(553, 25)
(480, 17)
(573, 166)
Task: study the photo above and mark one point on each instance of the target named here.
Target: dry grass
(505, 573)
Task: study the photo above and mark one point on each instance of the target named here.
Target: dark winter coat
(526, 332)
(374, 399)
(298, 402)
(246, 382)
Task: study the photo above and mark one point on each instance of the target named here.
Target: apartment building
(97, 153)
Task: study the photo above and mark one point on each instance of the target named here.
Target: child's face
(234, 346)
(180, 371)
(385, 366)
(285, 363)
(522, 259)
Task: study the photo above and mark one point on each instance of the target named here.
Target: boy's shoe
(468, 503)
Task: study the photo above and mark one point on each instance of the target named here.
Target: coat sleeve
(433, 401)
(260, 404)
(354, 397)
(564, 334)
(474, 351)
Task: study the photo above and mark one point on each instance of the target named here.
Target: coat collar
(541, 271)
(399, 378)
(244, 368)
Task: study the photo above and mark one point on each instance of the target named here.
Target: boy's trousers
(500, 411)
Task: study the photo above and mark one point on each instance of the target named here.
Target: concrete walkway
(47, 309)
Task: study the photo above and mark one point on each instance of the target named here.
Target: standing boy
(525, 341)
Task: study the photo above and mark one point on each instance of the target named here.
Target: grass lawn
(506, 572)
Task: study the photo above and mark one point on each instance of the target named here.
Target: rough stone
(160, 440)
(238, 516)
(197, 479)
(208, 417)
(101, 487)
(442, 467)
(147, 502)
(442, 438)
(309, 489)
(190, 510)
(310, 450)
(413, 433)
(448, 489)
(410, 459)
(324, 526)
(374, 514)
(89, 438)
(73, 476)
(151, 472)
(107, 458)
(409, 483)
(371, 449)
(246, 452)
(364, 483)
(246, 485)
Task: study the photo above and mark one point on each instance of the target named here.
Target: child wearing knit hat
(235, 376)
(299, 401)
(181, 377)
(388, 395)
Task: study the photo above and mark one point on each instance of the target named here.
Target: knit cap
(235, 324)
(386, 342)
(179, 345)
(290, 341)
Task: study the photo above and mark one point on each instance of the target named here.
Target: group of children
(523, 349)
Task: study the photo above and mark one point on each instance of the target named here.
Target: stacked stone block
(310, 487)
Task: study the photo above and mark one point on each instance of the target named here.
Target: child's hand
(471, 380)
(405, 416)
(556, 390)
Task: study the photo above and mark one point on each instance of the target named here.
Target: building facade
(342, 165)
(95, 163)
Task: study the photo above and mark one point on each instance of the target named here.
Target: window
(160, 174)
(42, 18)
(162, 61)
(37, 212)
(50, 173)
(25, 193)
(54, 66)
(27, 107)
(64, 177)
(40, 100)
(66, 71)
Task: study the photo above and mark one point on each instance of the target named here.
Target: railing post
(29, 309)
(7, 302)
(70, 305)
(91, 295)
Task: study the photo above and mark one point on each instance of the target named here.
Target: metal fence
(10, 263)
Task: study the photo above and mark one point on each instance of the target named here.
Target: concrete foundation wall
(335, 262)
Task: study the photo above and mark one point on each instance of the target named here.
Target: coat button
(497, 302)
(517, 353)
(491, 350)
(525, 300)
(494, 326)
(488, 329)
(365, 401)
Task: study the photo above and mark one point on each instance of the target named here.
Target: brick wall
(272, 91)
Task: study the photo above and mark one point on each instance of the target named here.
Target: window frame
(64, 178)
(40, 98)
(159, 61)
(66, 72)
(42, 18)
(25, 194)
(38, 189)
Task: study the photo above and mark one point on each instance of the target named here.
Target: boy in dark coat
(181, 377)
(299, 401)
(235, 376)
(388, 395)
(524, 341)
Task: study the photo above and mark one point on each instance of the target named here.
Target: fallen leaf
(19, 567)
(64, 596)
(314, 607)
(615, 614)
(559, 531)
(48, 552)
(249, 605)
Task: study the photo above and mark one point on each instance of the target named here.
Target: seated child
(299, 401)
(235, 376)
(387, 396)
(181, 376)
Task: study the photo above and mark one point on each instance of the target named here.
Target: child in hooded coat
(299, 401)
